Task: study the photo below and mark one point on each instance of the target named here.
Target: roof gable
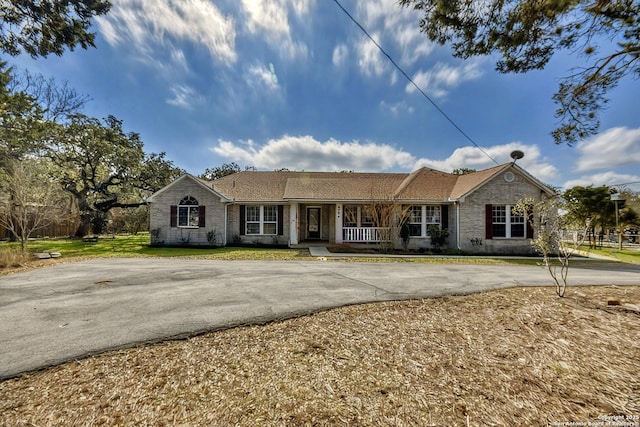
(426, 184)
(184, 177)
(469, 183)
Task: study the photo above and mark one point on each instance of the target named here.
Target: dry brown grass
(12, 259)
(516, 357)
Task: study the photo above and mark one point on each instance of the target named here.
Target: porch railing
(364, 234)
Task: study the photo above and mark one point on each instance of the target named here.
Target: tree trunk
(84, 227)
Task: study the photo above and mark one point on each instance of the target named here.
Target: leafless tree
(551, 239)
(30, 200)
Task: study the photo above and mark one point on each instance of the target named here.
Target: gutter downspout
(457, 202)
(226, 209)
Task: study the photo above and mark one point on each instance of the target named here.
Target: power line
(437, 107)
(625, 183)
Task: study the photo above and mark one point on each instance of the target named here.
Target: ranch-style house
(297, 208)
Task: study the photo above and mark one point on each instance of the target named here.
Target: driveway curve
(68, 311)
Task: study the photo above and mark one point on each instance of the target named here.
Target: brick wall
(160, 222)
(472, 215)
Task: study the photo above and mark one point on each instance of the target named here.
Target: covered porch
(334, 223)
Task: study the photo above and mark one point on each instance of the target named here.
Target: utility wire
(437, 107)
(625, 183)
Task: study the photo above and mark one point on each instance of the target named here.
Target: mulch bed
(512, 357)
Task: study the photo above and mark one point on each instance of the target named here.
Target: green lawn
(138, 246)
(625, 255)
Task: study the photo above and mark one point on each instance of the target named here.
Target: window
(253, 219)
(506, 223)
(421, 217)
(350, 216)
(367, 216)
(415, 220)
(188, 213)
(499, 221)
(517, 225)
(261, 220)
(270, 220)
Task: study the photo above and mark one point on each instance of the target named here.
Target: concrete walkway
(68, 311)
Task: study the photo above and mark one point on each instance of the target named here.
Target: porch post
(293, 224)
(339, 215)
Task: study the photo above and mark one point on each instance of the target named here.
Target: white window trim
(360, 216)
(261, 221)
(508, 224)
(189, 208)
(426, 222)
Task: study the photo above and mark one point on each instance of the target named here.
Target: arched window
(188, 212)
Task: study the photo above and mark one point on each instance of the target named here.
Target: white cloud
(269, 16)
(414, 44)
(184, 97)
(474, 158)
(370, 60)
(401, 24)
(340, 54)
(149, 25)
(258, 76)
(271, 19)
(306, 153)
(397, 108)
(440, 79)
(606, 178)
(614, 147)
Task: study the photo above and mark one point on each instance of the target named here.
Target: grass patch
(131, 246)
(625, 255)
(121, 246)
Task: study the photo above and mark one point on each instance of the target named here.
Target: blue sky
(295, 84)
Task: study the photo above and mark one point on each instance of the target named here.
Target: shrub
(12, 258)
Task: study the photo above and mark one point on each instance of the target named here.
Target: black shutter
(201, 216)
(173, 216)
(488, 222)
(280, 220)
(444, 216)
(242, 219)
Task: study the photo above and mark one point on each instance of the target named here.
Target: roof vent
(516, 155)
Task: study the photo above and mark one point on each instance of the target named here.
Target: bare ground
(516, 357)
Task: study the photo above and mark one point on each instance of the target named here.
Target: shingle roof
(344, 186)
(423, 184)
(426, 184)
(468, 182)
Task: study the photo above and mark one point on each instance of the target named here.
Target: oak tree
(104, 167)
(42, 27)
(525, 34)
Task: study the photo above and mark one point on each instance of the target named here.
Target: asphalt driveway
(68, 311)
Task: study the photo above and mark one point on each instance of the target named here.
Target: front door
(313, 223)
